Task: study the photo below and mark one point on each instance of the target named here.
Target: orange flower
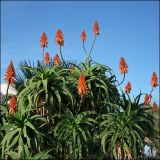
(72, 69)
(46, 58)
(43, 40)
(128, 87)
(154, 80)
(59, 38)
(96, 28)
(56, 59)
(154, 107)
(12, 104)
(147, 99)
(83, 36)
(123, 66)
(10, 73)
(82, 86)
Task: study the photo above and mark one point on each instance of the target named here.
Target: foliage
(53, 121)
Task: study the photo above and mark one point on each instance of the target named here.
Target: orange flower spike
(59, 38)
(12, 104)
(154, 107)
(82, 86)
(147, 99)
(56, 59)
(128, 87)
(154, 80)
(123, 66)
(46, 58)
(83, 36)
(96, 28)
(10, 73)
(43, 40)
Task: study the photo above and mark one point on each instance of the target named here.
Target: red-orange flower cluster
(147, 99)
(128, 87)
(154, 107)
(82, 85)
(10, 74)
(96, 28)
(12, 104)
(123, 66)
(83, 36)
(56, 59)
(154, 80)
(59, 38)
(43, 40)
(46, 58)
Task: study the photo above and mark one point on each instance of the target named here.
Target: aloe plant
(125, 129)
(21, 129)
(65, 110)
(73, 131)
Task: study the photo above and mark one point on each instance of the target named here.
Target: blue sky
(127, 29)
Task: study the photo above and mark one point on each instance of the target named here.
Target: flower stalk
(60, 49)
(122, 80)
(94, 40)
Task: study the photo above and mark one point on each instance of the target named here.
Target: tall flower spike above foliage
(83, 36)
(59, 38)
(56, 59)
(154, 80)
(46, 58)
(147, 99)
(128, 87)
(10, 74)
(82, 85)
(44, 40)
(123, 66)
(96, 28)
(154, 108)
(12, 104)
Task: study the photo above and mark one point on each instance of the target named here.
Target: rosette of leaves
(21, 129)
(46, 88)
(100, 82)
(74, 133)
(124, 130)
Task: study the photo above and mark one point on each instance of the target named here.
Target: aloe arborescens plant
(74, 111)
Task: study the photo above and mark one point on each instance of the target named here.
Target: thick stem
(122, 80)
(92, 46)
